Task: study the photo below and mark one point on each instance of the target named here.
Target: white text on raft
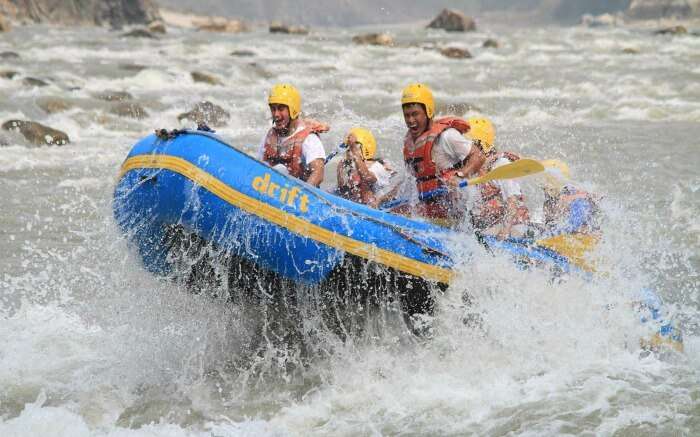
(283, 194)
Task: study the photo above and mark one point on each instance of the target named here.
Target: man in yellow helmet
(501, 208)
(361, 177)
(292, 144)
(436, 153)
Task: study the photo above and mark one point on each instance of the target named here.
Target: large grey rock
(207, 112)
(52, 105)
(129, 110)
(198, 76)
(115, 13)
(277, 27)
(453, 21)
(37, 133)
(455, 53)
(374, 39)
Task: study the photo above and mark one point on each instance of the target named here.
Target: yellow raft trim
(289, 221)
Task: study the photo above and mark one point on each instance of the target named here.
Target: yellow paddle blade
(517, 169)
(557, 165)
(573, 246)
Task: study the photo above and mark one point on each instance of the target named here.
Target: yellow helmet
(555, 178)
(419, 93)
(366, 140)
(288, 95)
(482, 129)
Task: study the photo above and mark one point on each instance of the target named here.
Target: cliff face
(81, 12)
(651, 9)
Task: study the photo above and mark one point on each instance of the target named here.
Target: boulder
(374, 39)
(455, 53)
(277, 27)
(157, 27)
(630, 51)
(491, 44)
(8, 74)
(4, 25)
(198, 76)
(221, 24)
(114, 96)
(37, 133)
(207, 112)
(243, 53)
(34, 82)
(52, 105)
(129, 110)
(673, 30)
(452, 21)
(138, 33)
(9, 55)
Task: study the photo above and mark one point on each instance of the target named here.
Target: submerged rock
(114, 96)
(9, 55)
(674, 30)
(491, 44)
(132, 67)
(277, 27)
(455, 53)
(198, 76)
(37, 133)
(206, 112)
(630, 51)
(243, 53)
(52, 105)
(452, 21)
(33, 81)
(129, 109)
(138, 33)
(375, 39)
(8, 74)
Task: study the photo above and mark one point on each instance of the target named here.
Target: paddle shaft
(338, 149)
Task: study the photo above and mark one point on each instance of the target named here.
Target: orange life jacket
(418, 154)
(289, 150)
(493, 206)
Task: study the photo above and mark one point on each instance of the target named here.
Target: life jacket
(418, 154)
(289, 151)
(493, 206)
(355, 188)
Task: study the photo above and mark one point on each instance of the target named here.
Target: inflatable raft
(277, 226)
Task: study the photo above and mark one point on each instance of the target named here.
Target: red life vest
(418, 154)
(493, 206)
(289, 150)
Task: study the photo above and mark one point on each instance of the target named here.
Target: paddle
(338, 149)
(517, 169)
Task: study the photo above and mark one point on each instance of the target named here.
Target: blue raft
(277, 223)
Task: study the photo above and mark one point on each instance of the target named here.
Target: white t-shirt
(451, 148)
(383, 184)
(508, 187)
(311, 148)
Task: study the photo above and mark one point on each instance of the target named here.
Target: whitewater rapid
(91, 344)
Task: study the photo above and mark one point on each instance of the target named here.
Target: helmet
(482, 129)
(366, 140)
(288, 95)
(555, 178)
(419, 93)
